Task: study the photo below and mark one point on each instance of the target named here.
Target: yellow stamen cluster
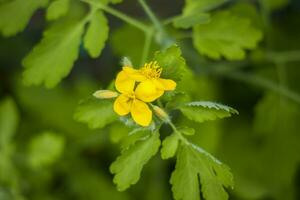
(151, 70)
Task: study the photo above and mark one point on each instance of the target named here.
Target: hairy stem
(264, 83)
(151, 15)
(163, 38)
(147, 45)
(119, 15)
(178, 133)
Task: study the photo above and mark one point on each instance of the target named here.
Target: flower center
(151, 70)
(131, 95)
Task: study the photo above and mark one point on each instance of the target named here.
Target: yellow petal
(141, 113)
(134, 74)
(122, 105)
(168, 84)
(124, 83)
(158, 84)
(147, 91)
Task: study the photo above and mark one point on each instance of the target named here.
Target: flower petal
(122, 105)
(124, 83)
(168, 84)
(134, 74)
(147, 91)
(141, 113)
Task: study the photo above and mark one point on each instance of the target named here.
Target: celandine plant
(151, 96)
(144, 99)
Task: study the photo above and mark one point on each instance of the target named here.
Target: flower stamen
(151, 70)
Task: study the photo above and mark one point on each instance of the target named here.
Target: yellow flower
(151, 85)
(128, 102)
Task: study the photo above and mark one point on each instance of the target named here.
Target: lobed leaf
(96, 113)
(226, 35)
(128, 166)
(196, 12)
(172, 63)
(187, 21)
(169, 146)
(196, 6)
(57, 9)
(96, 35)
(45, 149)
(52, 59)
(187, 130)
(201, 111)
(15, 15)
(193, 164)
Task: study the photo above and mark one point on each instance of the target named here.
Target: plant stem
(283, 57)
(119, 15)
(163, 38)
(263, 83)
(151, 15)
(147, 45)
(178, 133)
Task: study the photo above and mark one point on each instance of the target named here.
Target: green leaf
(187, 21)
(128, 166)
(57, 9)
(15, 15)
(96, 34)
(187, 130)
(45, 149)
(194, 163)
(274, 4)
(201, 111)
(122, 38)
(95, 112)
(196, 12)
(226, 35)
(9, 118)
(196, 6)
(133, 136)
(52, 59)
(169, 146)
(172, 63)
(248, 10)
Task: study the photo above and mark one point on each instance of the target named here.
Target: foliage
(45, 149)
(149, 87)
(222, 36)
(192, 163)
(202, 110)
(129, 165)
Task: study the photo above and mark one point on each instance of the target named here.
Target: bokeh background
(46, 155)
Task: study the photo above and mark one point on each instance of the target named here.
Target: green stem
(163, 38)
(147, 45)
(151, 15)
(119, 15)
(282, 78)
(263, 83)
(283, 57)
(178, 133)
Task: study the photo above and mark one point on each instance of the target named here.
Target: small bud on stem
(105, 94)
(161, 113)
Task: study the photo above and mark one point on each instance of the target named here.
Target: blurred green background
(46, 155)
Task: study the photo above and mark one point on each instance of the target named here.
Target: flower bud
(161, 113)
(105, 94)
